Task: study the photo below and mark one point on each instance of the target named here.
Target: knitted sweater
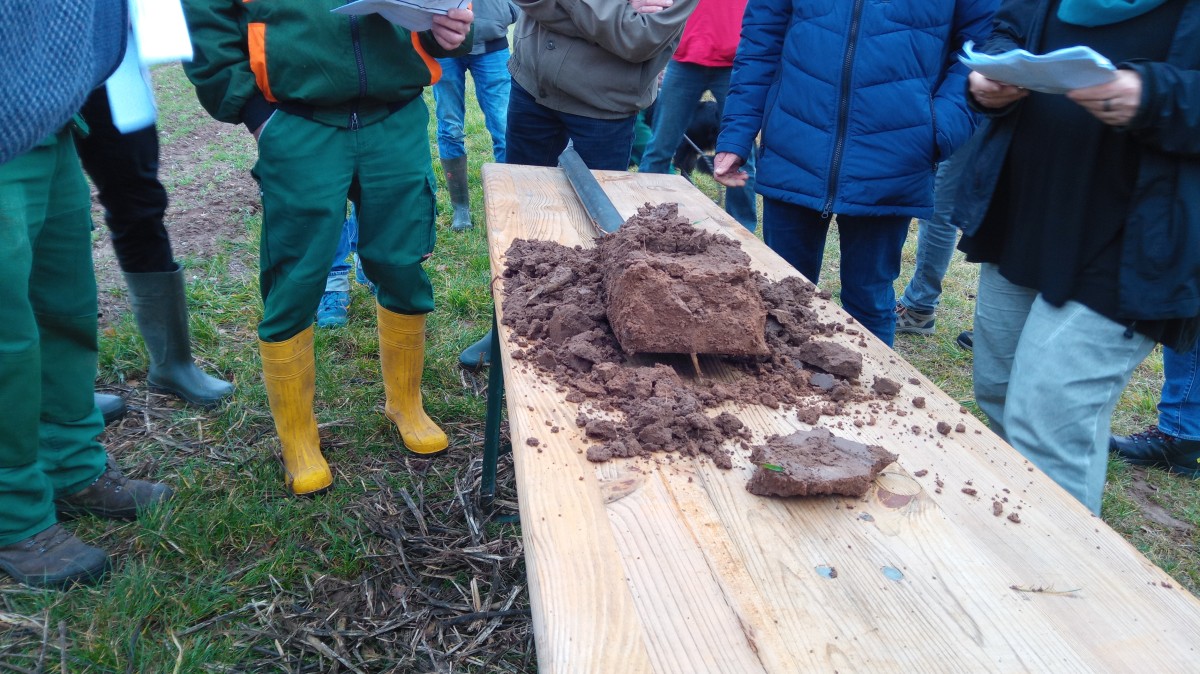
(52, 54)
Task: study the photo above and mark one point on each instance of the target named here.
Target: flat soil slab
(816, 462)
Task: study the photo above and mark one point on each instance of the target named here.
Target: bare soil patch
(209, 204)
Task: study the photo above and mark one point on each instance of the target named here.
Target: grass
(395, 570)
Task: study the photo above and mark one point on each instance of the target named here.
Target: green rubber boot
(455, 171)
(111, 407)
(478, 355)
(160, 306)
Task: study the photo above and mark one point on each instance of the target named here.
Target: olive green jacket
(596, 58)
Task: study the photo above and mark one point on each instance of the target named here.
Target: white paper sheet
(161, 32)
(1055, 73)
(415, 15)
(130, 98)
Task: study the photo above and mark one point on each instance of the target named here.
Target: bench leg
(491, 434)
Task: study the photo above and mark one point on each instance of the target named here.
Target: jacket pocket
(935, 150)
(769, 108)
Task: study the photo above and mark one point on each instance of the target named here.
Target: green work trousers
(48, 443)
(306, 171)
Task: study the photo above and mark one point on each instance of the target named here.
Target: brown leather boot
(113, 496)
(53, 558)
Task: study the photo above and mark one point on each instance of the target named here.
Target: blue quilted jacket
(857, 100)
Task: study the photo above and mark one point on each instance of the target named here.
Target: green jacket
(345, 71)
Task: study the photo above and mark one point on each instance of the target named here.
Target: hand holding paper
(415, 15)
(1115, 103)
(1054, 73)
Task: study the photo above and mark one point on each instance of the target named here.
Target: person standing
(702, 62)
(334, 103)
(124, 168)
(1174, 443)
(856, 102)
(51, 463)
(580, 75)
(916, 310)
(488, 65)
(1081, 209)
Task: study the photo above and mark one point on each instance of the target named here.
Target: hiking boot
(1152, 447)
(966, 340)
(113, 496)
(53, 558)
(914, 322)
(334, 309)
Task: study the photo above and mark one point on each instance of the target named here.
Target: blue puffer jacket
(857, 100)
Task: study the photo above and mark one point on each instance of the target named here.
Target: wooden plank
(583, 613)
(673, 567)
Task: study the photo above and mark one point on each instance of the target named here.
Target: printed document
(1055, 73)
(415, 15)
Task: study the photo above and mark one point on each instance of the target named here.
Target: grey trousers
(1049, 378)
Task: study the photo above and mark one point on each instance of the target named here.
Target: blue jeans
(490, 73)
(537, 135)
(682, 87)
(1049, 378)
(346, 255)
(1179, 407)
(935, 242)
(870, 260)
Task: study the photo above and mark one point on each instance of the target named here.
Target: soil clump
(816, 462)
(671, 288)
(557, 306)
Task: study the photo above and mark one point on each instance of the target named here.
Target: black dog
(699, 140)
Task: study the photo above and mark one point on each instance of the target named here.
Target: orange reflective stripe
(435, 69)
(257, 38)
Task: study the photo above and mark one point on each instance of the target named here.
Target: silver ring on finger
(1108, 105)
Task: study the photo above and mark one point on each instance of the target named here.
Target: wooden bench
(636, 566)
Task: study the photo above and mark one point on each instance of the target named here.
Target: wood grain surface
(640, 565)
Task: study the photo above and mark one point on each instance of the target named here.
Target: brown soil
(671, 288)
(1149, 501)
(816, 462)
(555, 304)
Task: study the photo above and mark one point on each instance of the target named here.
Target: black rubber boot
(460, 196)
(1152, 447)
(160, 306)
(111, 407)
(478, 355)
(53, 558)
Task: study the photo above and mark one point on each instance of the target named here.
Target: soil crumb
(639, 401)
(816, 462)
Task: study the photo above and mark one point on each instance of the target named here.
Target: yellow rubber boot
(289, 371)
(402, 354)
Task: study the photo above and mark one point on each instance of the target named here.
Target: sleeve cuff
(256, 111)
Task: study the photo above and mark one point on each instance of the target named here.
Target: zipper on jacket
(355, 39)
(839, 146)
